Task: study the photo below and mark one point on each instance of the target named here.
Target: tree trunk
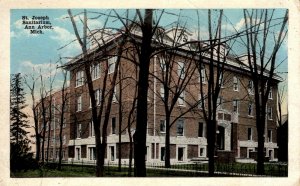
(142, 110)
(167, 143)
(260, 150)
(211, 140)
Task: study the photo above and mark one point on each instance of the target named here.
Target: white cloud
(46, 69)
(62, 35)
(67, 40)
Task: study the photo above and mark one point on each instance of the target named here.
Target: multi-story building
(53, 124)
(236, 131)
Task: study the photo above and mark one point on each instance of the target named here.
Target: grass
(183, 170)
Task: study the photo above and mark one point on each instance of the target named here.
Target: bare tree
(174, 86)
(65, 96)
(215, 78)
(97, 116)
(30, 82)
(262, 66)
(46, 112)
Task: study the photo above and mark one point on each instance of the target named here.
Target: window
(202, 152)
(221, 80)
(181, 70)
(79, 131)
(162, 126)
(64, 123)
(162, 153)
(97, 95)
(113, 125)
(92, 130)
(201, 101)
(200, 129)
(219, 102)
(250, 109)
(114, 95)
(162, 64)
(78, 153)
(64, 140)
(269, 112)
(180, 127)
(92, 153)
(236, 106)
(270, 93)
(112, 153)
(269, 135)
(202, 76)
(180, 153)
(235, 84)
(162, 93)
(250, 134)
(111, 64)
(181, 99)
(250, 87)
(79, 105)
(95, 71)
(79, 78)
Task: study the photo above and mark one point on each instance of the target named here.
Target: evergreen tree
(20, 157)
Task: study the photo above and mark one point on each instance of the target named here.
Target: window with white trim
(250, 108)
(180, 153)
(162, 126)
(201, 101)
(180, 127)
(79, 103)
(162, 153)
(112, 64)
(250, 134)
(92, 153)
(236, 106)
(91, 129)
(79, 131)
(235, 83)
(269, 112)
(202, 152)
(181, 70)
(64, 122)
(114, 95)
(181, 98)
(113, 125)
(202, 76)
(269, 136)
(201, 129)
(162, 92)
(64, 139)
(221, 80)
(79, 78)
(97, 94)
(250, 87)
(95, 71)
(270, 94)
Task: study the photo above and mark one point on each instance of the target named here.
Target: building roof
(109, 39)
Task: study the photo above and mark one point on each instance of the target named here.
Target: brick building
(236, 132)
(52, 130)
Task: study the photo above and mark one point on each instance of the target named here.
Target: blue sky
(40, 51)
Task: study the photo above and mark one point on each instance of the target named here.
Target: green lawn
(183, 170)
